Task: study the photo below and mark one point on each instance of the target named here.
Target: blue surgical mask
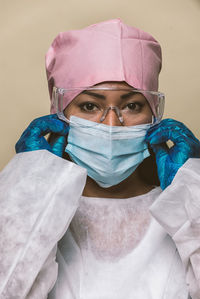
(109, 153)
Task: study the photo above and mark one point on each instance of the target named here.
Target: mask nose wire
(117, 111)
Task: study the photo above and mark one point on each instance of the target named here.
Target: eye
(89, 107)
(133, 107)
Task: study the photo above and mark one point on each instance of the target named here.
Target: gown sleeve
(39, 195)
(177, 209)
(45, 279)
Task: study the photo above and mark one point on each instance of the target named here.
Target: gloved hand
(33, 137)
(169, 160)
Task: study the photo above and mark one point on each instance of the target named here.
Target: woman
(105, 122)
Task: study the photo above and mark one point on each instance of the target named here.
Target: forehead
(110, 91)
(113, 84)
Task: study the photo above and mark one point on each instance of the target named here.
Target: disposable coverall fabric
(38, 198)
(115, 249)
(32, 227)
(180, 217)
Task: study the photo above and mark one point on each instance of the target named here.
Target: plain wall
(27, 29)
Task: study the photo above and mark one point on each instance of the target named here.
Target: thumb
(160, 150)
(58, 145)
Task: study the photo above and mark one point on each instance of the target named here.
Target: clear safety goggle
(95, 110)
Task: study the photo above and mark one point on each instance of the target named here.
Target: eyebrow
(128, 95)
(93, 94)
(100, 96)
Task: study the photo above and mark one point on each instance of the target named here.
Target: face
(91, 104)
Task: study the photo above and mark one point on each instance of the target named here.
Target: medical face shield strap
(157, 98)
(109, 153)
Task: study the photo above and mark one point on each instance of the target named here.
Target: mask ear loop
(59, 105)
(117, 111)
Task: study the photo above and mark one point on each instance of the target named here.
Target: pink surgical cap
(107, 51)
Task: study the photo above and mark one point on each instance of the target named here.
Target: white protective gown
(108, 248)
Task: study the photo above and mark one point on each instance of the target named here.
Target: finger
(160, 150)
(58, 145)
(177, 136)
(30, 144)
(170, 124)
(169, 130)
(49, 123)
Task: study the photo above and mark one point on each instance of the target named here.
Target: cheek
(68, 111)
(145, 116)
(145, 119)
(147, 113)
(148, 117)
(140, 120)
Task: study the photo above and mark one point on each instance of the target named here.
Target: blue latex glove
(33, 137)
(169, 160)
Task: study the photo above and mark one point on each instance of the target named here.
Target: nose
(111, 119)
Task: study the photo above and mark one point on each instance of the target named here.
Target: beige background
(27, 27)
